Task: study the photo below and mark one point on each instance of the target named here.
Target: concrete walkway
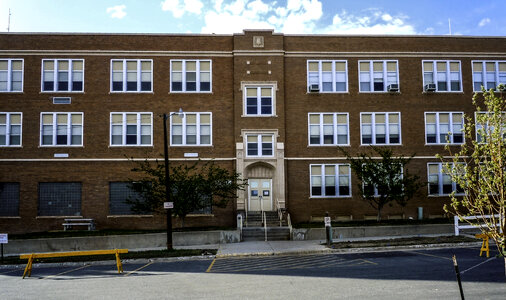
(271, 248)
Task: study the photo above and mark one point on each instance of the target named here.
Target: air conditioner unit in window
(430, 87)
(394, 87)
(62, 100)
(314, 88)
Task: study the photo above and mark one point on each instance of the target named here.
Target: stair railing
(289, 223)
(264, 218)
(280, 213)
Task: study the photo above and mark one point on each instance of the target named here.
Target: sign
(168, 205)
(4, 238)
(327, 221)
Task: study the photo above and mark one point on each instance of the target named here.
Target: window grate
(59, 199)
(119, 193)
(9, 199)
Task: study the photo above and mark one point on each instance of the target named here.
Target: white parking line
(138, 269)
(68, 271)
(462, 272)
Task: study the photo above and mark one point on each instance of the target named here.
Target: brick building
(274, 107)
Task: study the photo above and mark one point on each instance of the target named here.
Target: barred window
(59, 199)
(119, 193)
(9, 199)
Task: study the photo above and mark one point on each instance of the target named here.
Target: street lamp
(167, 182)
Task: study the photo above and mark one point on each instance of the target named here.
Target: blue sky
(427, 17)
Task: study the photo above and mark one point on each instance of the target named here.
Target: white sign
(168, 205)
(327, 221)
(4, 238)
(191, 154)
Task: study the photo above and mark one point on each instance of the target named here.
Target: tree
(480, 168)
(385, 179)
(194, 187)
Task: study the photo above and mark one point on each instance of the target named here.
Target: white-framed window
(131, 75)
(380, 128)
(11, 75)
(330, 180)
(260, 145)
(374, 189)
(440, 180)
(259, 100)
(194, 129)
(10, 129)
(62, 75)
(190, 75)
(131, 129)
(483, 130)
(328, 129)
(445, 74)
(61, 129)
(377, 75)
(444, 127)
(331, 76)
(488, 74)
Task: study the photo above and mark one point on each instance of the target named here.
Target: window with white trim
(259, 101)
(330, 180)
(440, 180)
(380, 128)
(328, 129)
(131, 75)
(193, 129)
(445, 74)
(10, 129)
(62, 75)
(373, 189)
(483, 128)
(259, 145)
(377, 75)
(489, 74)
(331, 76)
(444, 127)
(61, 129)
(190, 75)
(11, 75)
(131, 129)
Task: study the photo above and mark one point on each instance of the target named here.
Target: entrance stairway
(254, 229)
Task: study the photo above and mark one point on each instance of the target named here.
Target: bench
(69, 223)
(31, 257)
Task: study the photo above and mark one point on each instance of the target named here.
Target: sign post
(328, 229)
(4, 239)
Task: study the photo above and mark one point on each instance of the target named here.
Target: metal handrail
(280, 213)
(265, 224)
(289, 223)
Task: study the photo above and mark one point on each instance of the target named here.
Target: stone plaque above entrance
(258, 41)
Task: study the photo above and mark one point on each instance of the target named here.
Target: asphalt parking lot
(394, 270)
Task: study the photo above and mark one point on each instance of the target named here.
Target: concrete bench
(69, 223)
(31, 257)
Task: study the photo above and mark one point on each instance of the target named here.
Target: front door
(260, 194)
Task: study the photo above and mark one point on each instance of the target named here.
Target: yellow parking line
(437, 256)
(210, 266)
(138, 269)
(68, 271)
(367, 261)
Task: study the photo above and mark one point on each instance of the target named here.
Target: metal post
(2, 246)
(167, 183)
(457, 272)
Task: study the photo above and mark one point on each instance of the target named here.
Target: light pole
(167, 181)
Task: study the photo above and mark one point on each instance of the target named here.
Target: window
(59, 199)
(190, 75)
(11, 75)
(380, 128)
(259, 145)
(484, 129)
(9, 199)
(372, 189)
(440, 181)
(119, 193)
(10, 129)
(328, 129)
(61, 129)
(445, 74)
(377, 75)
(192, 129)
(131, 75)
(131, 129)
(444, 127)
(488, 74)
(259, 101)
(331, 76)
(62, 75)
(330, 180)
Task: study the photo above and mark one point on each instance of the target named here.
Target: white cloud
(179, 8)
(117, 11)
(484, 22)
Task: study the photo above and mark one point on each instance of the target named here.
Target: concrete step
(273, 233)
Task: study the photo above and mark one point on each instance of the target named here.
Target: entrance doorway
(260, 194)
